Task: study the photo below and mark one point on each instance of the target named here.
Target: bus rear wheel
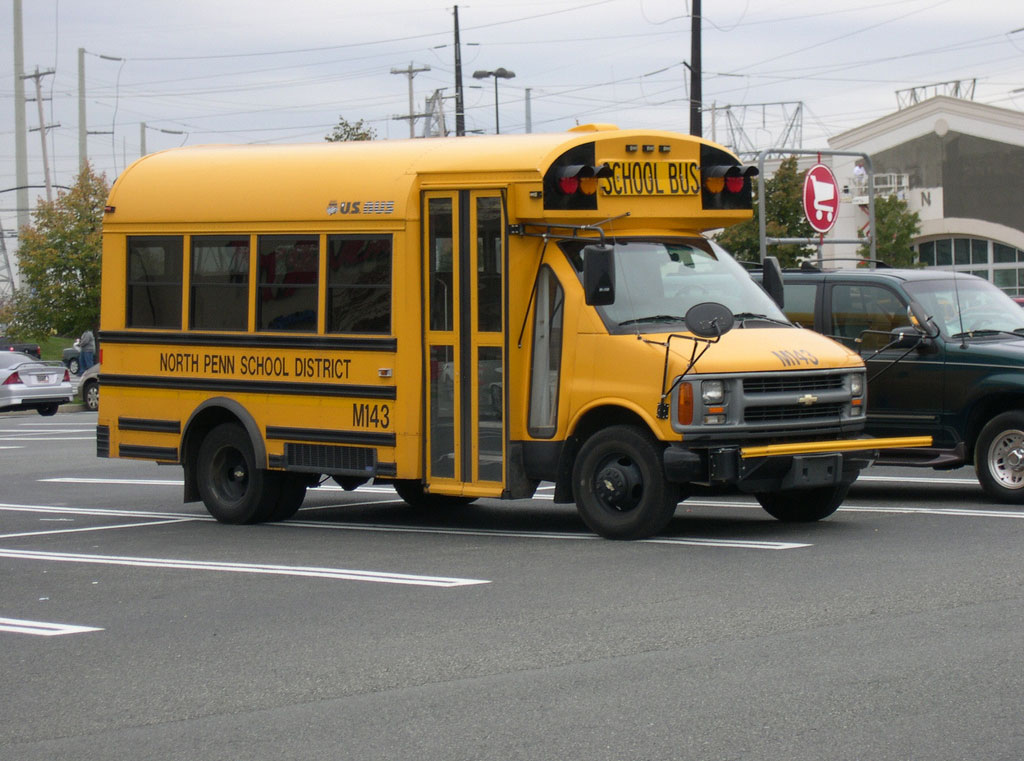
(803, 505)
(233, 489)
(619, 485)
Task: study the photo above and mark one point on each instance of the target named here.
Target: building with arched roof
(960, 166)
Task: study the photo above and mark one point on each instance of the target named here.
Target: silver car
(27, 383)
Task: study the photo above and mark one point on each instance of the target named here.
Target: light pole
(497, 74)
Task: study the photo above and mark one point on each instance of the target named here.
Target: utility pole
(43, 127)
(460, 111)
(696, 128)
(83, 148)
(20, 131)
(413, 116)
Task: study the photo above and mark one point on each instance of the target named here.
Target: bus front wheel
(233, 489)
(620, 489)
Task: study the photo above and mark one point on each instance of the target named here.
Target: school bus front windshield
(658, 279)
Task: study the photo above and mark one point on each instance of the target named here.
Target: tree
(345, 130)
(897, 227)
(59, 261)
(784, 218)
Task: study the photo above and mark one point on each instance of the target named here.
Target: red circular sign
(821, 198)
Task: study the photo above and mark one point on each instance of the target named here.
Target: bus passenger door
(464, 289)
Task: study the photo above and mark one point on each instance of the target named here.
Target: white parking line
(920, 480)
(42, 628)
(114, 481)
(51, 532)
(384, 528)
(340, 574)
(559, 535)
(47, 437)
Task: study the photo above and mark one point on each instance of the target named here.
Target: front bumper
(775, 467)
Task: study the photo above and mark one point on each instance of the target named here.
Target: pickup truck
(32, 349)
(945, 357)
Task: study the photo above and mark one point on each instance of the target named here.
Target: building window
(288, 266)
(1000, 263)
(359, 284)
(926, 253)
(219, 282)
(154, 282)
(1003, 254)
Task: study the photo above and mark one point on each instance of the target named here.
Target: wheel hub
(1006, 459)
(618, 484)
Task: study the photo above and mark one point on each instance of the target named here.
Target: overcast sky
(244, 71)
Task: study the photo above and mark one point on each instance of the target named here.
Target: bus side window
(359, 284)
(288, 267)
(219, 280)
(154, 282)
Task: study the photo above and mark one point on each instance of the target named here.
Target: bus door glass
(464, 271)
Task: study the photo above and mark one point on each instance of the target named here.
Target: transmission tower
(434, 124)
(957, 88)
(781, 125)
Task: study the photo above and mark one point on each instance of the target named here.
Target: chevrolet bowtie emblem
(808, 399)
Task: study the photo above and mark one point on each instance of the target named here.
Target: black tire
(803, 505)
(291, 493)
(999, 457)
(233, 489)
(91, 395)
(48, 410)
(73, 365)
(619, 485)
(414, 495)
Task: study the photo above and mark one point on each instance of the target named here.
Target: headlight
(857, 384)
(712, 392)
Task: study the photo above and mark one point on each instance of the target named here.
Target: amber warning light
(580, 178)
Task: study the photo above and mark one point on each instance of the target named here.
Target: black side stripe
(153, 426)
(251, 387)
(248, 340)
(370, 438)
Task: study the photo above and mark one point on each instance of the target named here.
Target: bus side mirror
(599, 275)
(772, 281)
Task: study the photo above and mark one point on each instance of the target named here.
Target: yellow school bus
(463, 318)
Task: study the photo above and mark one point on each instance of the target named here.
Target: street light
(497, 74)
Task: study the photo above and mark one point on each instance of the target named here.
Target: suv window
(856, 308)
(799, 299)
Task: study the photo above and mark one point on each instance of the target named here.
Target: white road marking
(51, 532)
(47, 438)
(113, 481)
(920, 480)
(42, 628)
(345, 574)
(384, 528)
(562, 535)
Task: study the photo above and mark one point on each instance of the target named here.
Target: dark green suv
(957, 373)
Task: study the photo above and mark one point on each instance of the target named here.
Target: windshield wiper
(654, 318)
(989, 332)
(744, 316)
